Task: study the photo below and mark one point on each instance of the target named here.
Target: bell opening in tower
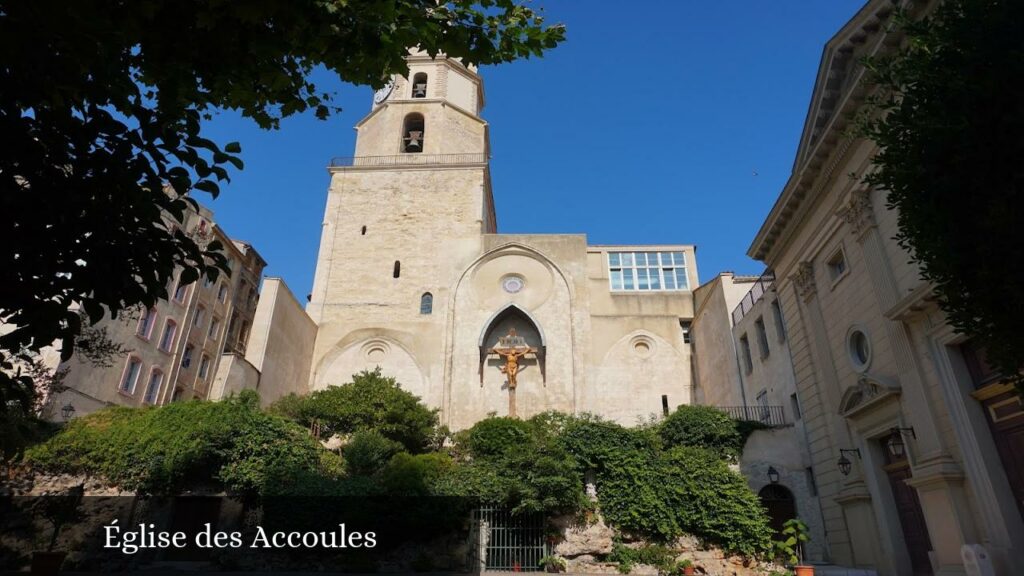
(419, 85)
(412, 133)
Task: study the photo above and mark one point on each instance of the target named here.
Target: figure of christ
(511, 354)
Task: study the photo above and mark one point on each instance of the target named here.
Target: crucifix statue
(511, 348)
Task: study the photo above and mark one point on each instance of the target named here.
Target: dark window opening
(812, 486)
(685, 327)
(363, 231)
(426, 303)
(664, 404)
(412, 133)
(397, 270)
(419, 85)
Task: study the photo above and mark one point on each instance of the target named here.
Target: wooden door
(1006, 419)
(1004, 413)
(908, 508)
(778, 501)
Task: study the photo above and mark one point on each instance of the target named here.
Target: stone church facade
(412, 276)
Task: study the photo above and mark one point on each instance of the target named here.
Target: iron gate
(503, 541)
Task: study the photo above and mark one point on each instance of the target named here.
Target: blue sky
(671, 121)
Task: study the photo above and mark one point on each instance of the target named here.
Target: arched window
(778, 501)
(426, 303)
(412, 133)
(419, 85)
(397, 271)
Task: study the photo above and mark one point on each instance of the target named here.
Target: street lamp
(67, 411)
(897, 448)
(844, 463)
(773, 475)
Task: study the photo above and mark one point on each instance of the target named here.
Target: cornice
(812, 169)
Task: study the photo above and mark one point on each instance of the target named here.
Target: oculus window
(647, 271)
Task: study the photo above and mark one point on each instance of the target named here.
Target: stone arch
(478, 298)
(513, 317)
(655, 366)
(366, 350)
(780, 504)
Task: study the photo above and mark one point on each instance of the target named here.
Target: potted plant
(554, 564)
(685, 567)
(59, 510)
(795, 533)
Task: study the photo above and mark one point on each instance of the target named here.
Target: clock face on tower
(382, 94)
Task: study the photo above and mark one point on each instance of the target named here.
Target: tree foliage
(661, 492)
(229, 444)
(949, 132)
(101, 140)
(371, 401)
(702, 427)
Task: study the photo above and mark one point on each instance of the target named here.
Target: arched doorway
(778, 501)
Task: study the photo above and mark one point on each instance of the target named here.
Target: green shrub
(367, 452)
(659, 556)
(518, 464)
(701, 427)
(370, 402)
(418, 475)
(661, 494)
(495, 437)
(713, 502)
(229, 444)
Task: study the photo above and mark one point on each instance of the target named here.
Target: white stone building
(743, 367)
(413, 276)
(916, 446)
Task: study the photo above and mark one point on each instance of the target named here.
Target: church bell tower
(404, 216)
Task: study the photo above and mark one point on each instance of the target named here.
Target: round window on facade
(642, 346)
(512, 283)
(859, 348)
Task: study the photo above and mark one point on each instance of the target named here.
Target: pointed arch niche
(508, 318)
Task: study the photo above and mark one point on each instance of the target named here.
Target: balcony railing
(763, 284)
(407, 159)
(767, 415)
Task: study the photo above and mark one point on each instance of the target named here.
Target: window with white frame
(131, 375)
(167, 338)
(214, 332)
(156, 379)
(180, 292)
(197, 321)
(647, 271)
(146, 322)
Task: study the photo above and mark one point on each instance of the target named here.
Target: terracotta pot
(688, 571)
(803, 570)
(47, 563)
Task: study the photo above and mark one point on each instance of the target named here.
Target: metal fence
(767, 415)
(763, 284)
(407, 159)
(507, 542)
